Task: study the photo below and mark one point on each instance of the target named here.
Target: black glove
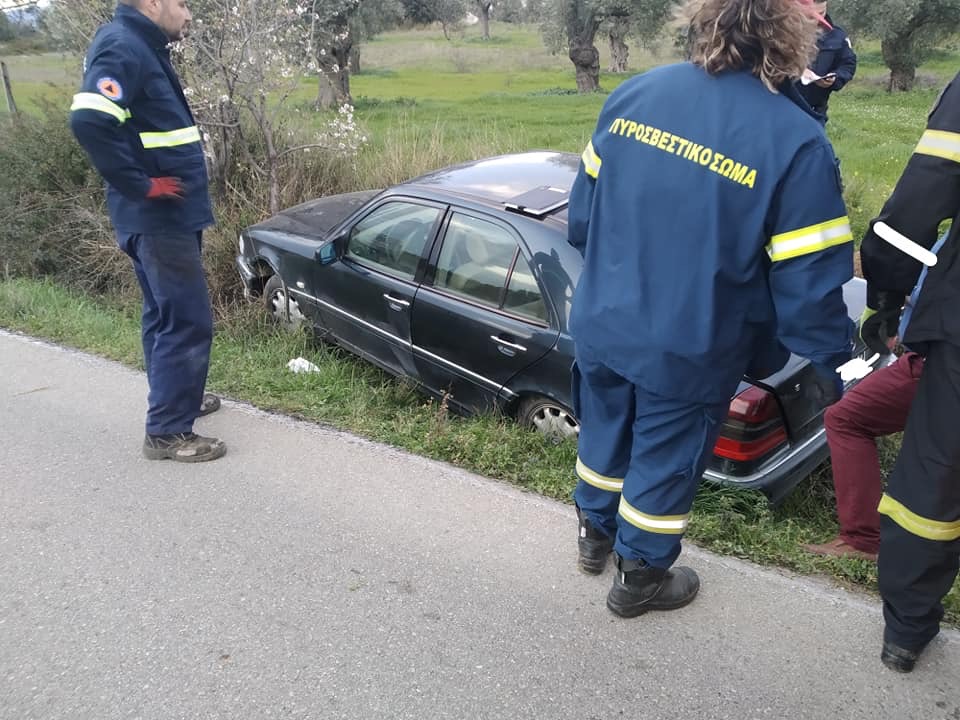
(879, 320)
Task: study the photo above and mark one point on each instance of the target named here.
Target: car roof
(501, 180)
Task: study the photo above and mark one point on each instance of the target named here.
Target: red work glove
(165, 188)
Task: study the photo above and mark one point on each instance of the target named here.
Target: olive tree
(483, 8)
(908, 30)
(640, 20)
(573, 25)
(339, 28)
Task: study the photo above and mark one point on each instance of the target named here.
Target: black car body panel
(315, 218)
(452, 281)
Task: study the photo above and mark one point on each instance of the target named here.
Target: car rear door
(365, 299)
(481, 316)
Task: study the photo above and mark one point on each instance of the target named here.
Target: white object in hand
(857, 369)
(905, 244)
(301, 365)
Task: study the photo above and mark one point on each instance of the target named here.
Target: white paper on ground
(301, 365)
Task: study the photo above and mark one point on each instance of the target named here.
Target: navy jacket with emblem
(715, 238)
(927, 193)
(834, 55)
(133, 120)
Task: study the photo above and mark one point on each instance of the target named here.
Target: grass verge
(249, 359)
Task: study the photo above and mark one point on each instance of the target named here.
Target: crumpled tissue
(301, 365)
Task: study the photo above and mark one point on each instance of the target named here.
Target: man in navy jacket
(133, 120)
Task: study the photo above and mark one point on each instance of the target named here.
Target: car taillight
(753, 428)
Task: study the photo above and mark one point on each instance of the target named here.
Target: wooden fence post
(8, 91)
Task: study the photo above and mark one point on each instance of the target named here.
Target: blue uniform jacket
(714, 234)
(133, 120)
(834, 55)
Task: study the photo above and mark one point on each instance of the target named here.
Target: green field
(426, 102)
(466, 98)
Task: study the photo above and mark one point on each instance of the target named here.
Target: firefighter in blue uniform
(133, 120)
(835, 64)
(709, 213)
(920, 510)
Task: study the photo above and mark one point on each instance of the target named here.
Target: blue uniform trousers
(177, 326)
(640, 460)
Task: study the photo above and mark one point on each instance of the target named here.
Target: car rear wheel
(548, 417)
(284, 310)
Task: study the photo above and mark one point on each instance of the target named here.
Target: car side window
(523, 294)
(480, 260)
(392, 238)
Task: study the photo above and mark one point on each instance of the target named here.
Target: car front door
(365, 299)
(480, 317)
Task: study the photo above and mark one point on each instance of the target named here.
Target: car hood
(316, 218)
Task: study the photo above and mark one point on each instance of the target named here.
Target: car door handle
(513, 346)
(395, 303)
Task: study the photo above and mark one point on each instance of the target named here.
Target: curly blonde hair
(773, 39)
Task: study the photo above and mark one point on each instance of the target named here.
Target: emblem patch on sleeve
(109, 88)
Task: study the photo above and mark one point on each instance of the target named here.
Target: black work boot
(897, 658)
(593, 546)
(638, 587)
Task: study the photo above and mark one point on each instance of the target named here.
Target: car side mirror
(327, 253)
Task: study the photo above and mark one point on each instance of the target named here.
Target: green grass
(248, 363)
(34, 78)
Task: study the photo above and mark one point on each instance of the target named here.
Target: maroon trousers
(877, 406)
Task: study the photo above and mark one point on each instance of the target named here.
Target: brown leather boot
(839, 548)
(183, 447)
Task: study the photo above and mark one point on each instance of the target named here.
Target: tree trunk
(899, 56)
(355, 60)
(619, 51)
(582, 25)
(485, 17)
(333, 88)
(270, 150)
(586, 61)
(902, 79)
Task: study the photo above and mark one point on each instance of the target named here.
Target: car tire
(548, 417)
(283, 310)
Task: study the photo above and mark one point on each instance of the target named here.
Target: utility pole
(7, 90)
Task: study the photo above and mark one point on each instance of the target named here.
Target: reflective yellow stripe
(597, 480)
(96, 101)
(810, 239)
(940, 143)
(591, 161)
(917, 524)
(183, 136)
(662, 524)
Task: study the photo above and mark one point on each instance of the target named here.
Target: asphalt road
(311, 574)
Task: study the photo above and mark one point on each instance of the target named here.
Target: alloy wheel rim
(281, 308)
(554, 421)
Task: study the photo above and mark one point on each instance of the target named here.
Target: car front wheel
(284, 309)
(548, 417)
